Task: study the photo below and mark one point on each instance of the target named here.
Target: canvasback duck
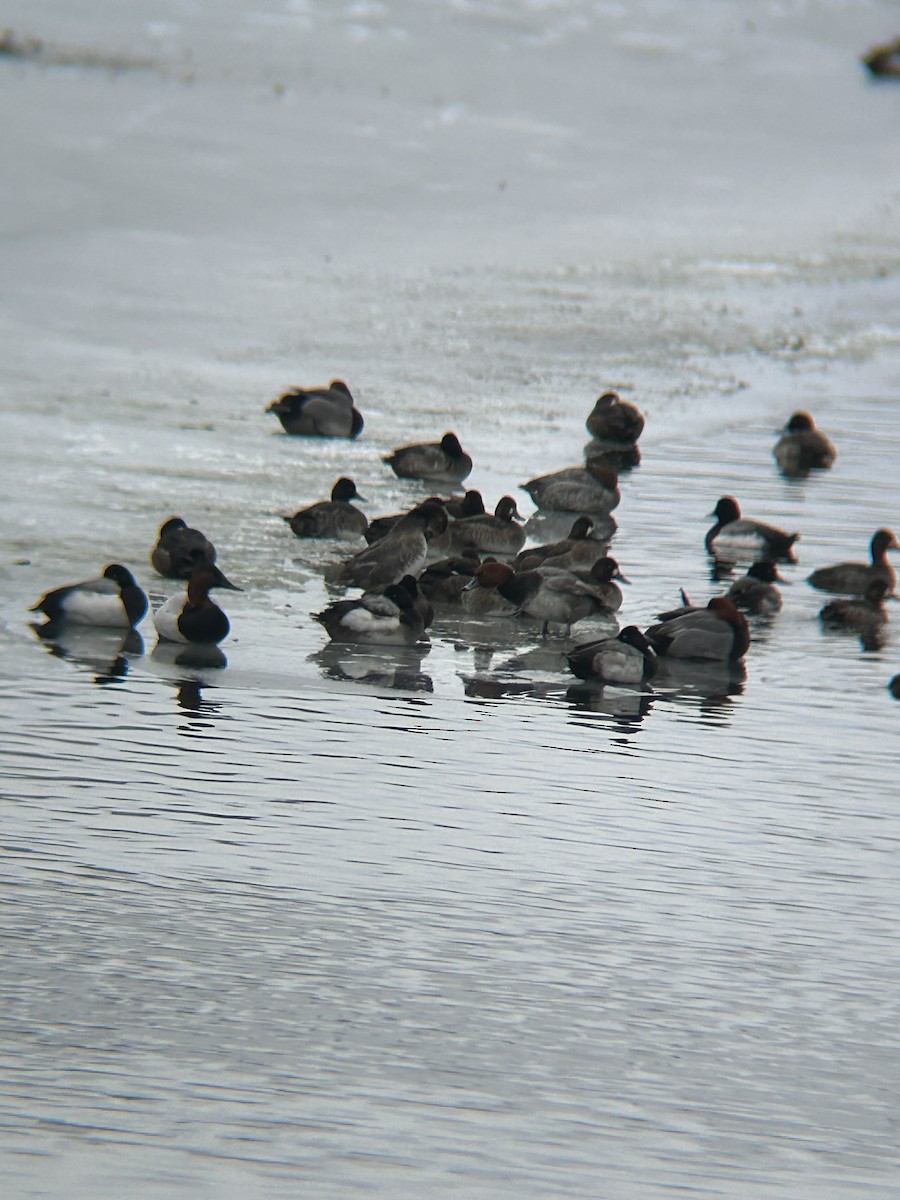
(719, 632)
(441, 461)
(803, 448)
(734, 537)
(480, 597)
(864, 616)
(490, 533)
(852, 578)
(402, 551)
(387, 618)
(334, 518)
(318, 412)
(194, 617)
(627, 658)
(553, 596)
(579, 549)
(593, 488)
(613, 419)
(113, 600)
(756, 592)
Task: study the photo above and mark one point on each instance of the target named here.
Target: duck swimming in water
(387, 618)
(736, 538)
(443, 461)
(334, 518)
(853, 578)
(113, 600)
(194, 617)
(180, 549)
(627, 658)
(718, 632)
(803, 448)
(318, 412)
(756, 592)
(864, 616)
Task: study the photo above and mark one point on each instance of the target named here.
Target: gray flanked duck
(318, 412)
(402, 551)
(334, 518)
(737, 538)
(114, 600)
(490, 533)
(718, 632)
(593, 489)
(443, 461)
(627, 658)
(852, 578)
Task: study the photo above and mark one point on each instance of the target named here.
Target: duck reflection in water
(396, 667)
(189, 697)
(193, 654)
(703, 684)
(103, 650)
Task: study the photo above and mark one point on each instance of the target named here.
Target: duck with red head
(195, 616)
(718, 632)
(737, 539)
(318, 412)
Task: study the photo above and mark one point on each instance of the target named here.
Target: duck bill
(223, 582)
(621, 578)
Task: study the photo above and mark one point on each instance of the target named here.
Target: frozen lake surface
(444, 923)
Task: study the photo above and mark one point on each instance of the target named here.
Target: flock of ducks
(451, 553)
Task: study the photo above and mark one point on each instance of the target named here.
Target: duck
(387, 618)
(443, 582)
(444, 460)
(402, 551)
(481, 598)
(718, 632)
(627, 658)
(734, 537)
(469, 505)
(593, 488)
(334, 518)
(179, 549)
(490, 533)
(803, 448)
(884, 60)
(852, 578)
(319, 412)
(756, 592)
(613, 419)
(578, 549)
(864, 615)
(194, 617)
(113, 600)
(552, 595)
(601, 577)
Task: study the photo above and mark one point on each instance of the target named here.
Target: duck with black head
(334, 518)
(113, 600)
(318, 412)
(627, 658)
(439, 462)
(756, 592)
